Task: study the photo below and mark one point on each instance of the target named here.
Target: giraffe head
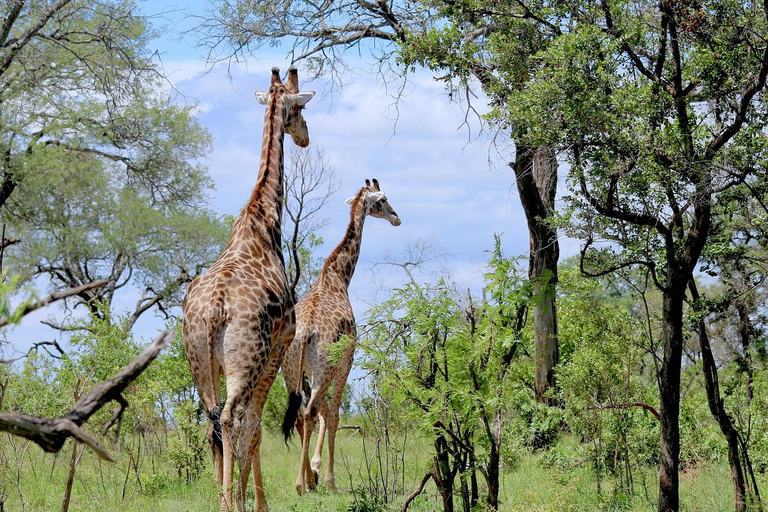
(293, 102)
(375, 203)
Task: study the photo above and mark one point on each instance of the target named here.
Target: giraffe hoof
(299, 487)
(316, 478)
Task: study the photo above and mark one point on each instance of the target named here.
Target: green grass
(34, 481)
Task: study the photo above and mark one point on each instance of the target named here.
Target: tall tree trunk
(443, 476)
(716, 407)
(669, 391)
(536, 175)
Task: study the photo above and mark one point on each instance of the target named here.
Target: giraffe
(238, 316)
(324, 318)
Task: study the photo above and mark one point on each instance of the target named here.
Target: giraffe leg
(279, 344)
(308, 426)
(228, 449)
(291, 377)
(260, 500)
(317, 461)
(310, 415)
(246, 432)
(207, 376)
(340, 381)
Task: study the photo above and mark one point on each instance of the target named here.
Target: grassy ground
(33, 481)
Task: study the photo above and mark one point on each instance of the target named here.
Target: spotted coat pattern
(239, 317)
(324, 318)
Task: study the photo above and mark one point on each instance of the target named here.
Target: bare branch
(642, 405)
(63, 294)
(51, 433)
(418, 490)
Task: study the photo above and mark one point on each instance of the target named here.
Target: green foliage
(274, 407)
(187, 453)
(441, 360)
(102, 176)
(601, 379)
(363, 502)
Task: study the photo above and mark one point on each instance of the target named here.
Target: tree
(730, 314)
(51, 433)
(442, 361)
(81, 223)
(460, 42)
(99, 174)
(309, 181)
(659, 110)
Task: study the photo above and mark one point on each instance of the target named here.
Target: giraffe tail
(294, 397)
(291, 414)
(213, 320)
(216, 442)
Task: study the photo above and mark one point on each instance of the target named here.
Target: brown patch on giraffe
(230, 313)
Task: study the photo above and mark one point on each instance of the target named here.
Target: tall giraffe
(323, 318)
(238, 316)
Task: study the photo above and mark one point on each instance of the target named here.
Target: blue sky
(450, 187)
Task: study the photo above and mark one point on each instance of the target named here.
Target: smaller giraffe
(325, 318)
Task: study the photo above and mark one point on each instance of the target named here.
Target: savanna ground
(143, 480)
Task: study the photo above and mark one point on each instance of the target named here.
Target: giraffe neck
(262, 214)
(342, 261)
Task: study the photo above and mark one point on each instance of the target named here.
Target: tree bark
(443, 476)
(536, 174)
(669, 391)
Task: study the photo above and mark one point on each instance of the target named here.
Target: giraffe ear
(262, 97)
(350, 201)
(300, 98)
(375, 196)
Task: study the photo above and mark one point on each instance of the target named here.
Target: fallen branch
(51, 433)
(627, 406)
(415, 493)
(358, 430)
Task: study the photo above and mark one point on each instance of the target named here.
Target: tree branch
(16, 45)
(63, 294)
(51, 433)
(415, 493)
(627, 406)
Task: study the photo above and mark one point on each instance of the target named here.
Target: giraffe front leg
(333, 424)
(228, 469)
(333, 420)
(260, 499)
(245, 427)
(305, 473)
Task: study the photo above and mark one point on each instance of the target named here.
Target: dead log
(51, 433)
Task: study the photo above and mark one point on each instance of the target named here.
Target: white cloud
(434, 171)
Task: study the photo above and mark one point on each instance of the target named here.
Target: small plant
(187, 453)
(155, 484)
(364, 502)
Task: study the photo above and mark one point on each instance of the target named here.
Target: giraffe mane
(334, 254)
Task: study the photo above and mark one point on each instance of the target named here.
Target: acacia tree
(443, 361)
(460, 39)
(659, 109)
(80, 223)
(99, 169)
(730, 314)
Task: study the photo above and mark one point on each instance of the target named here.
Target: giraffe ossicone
(238, 318)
